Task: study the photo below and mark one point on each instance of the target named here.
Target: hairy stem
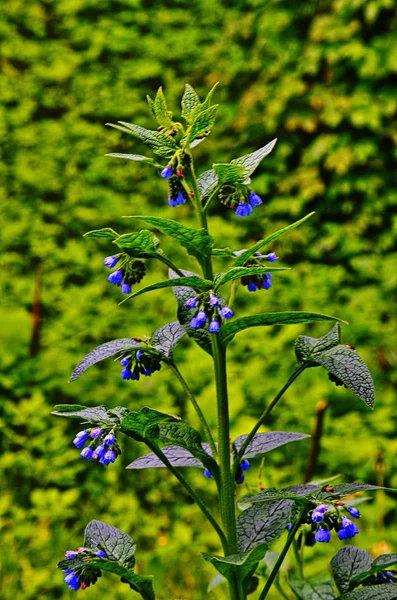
(265, 413)
(196, 406)
(170, 264)
(283, 554)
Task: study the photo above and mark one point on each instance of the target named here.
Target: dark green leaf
(385, 560)
(178, 457)
(373, 592)
(242, 259)
(305, 346)
(202, 123)
(161, 144)
(237, 272)
(380, 563)
(135, 157)
(207, 183)
(229, 330)
(305, 590)
(345, 489)
(101, 352)
(250, 161)
(198, 284)
(144, 424)
(244, 564)
(197, 241)
(272, 494)
(263, 523)
(264, 442)
(183, 435)
(190, 101)
(348, 563)
(166, 338)
(94, 414)
(222, 252)
(119, 412)
(143, 244)
(226, 172)
(117, 544)
(163, 115)
(105, 233)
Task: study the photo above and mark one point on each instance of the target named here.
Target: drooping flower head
(210, 310)
(128, 273)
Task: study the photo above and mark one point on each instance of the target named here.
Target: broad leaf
(345, 489)
(263, 523)
(242, 259)
(271, 494)
(237, 272)
(305, 590)
(166, 338)
(183, 435)
(222, 252)
(201, 124)
(385, 560)
(163, 115)
(190, 101)
(380, 563)
(229, 330)
(104, 351)
(348, 563)
(250, 161)
(135, 157)
(106, 233)
(244, 564)
(117, 544)
(94, 414)
(178, 457)
(264, 442)
(161, 144)
(207, 102)
(226, 172)
(197, 242)
(182, 294)
(207, 183)
(305, 346)
(373, 592)
(143, 244)
(144, 424)
(198, 284)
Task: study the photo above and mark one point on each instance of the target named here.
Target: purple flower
(125, 362)
(110, 456)
(138, 354)
(87, 453)
(201, 319)
(245, 465)
(355, 513)
(100, 451)
(71, 554)
(322, 508)
(116, 277)
(272, 257)
(126, 288)
(95, 433)
(191, 303)
(322, 535)
(80, 439)
(111, 261)
(101, 554)
(226, 312)
(267, 284)
(126, 373)
(317, 516)
(215, 326)
(348, 530)
(104, 461)
(243, 210)
(214, 301)
(251, 287)
(172, 202)
(254, 199)
(166, 173)
(73, 581)
(208, 474)
(109, 439)
(180, 199)
(193, 323)
(240, 478)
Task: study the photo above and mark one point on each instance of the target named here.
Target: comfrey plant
(246, 526)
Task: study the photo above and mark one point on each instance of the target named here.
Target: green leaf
(271, 494)
(229, 330)
(348, 563)
(198, 284)
(182, 294)
(244, 256)
(385, 560)
(151, 106)
(166, 338)
(183, 435)
(227, 172)
(222, 252)
(105, 233)
(345, 489)
(373, 592)
(190, 101)
(161, 144)
(237, 272)
(243, 564)
(207, 183)
(207, 102)
(265, 442)
(104, 351)
(305, 590)
(94, 414)
(202, 123)
(144, 424)
(263, 523)
(380, 563)
(163, 115)
(117, 544)
(249, 162)
(135, 157)
(197, 241)
(178, 457)
(305, 346)
(143, 244)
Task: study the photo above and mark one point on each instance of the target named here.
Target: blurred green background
(314, 74)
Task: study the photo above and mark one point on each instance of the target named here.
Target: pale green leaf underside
(250, 162)
(135, 157)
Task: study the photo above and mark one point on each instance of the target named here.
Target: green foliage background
(314, 74)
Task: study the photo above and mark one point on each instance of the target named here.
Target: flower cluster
(127, 273)
(387, 577)
(240, 198)
(259, 282)
(141, 363)
(243, 466)
(174, 172)
(210, 309)
(82, 577)
(326, 517)
(102, 445)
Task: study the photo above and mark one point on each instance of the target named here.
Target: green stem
(200, 503)
(265, 413)
(283, 554)
(170, 264)
(233, 292)
(298, 559)
(196, 406)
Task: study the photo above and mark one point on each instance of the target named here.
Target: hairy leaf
(105, 233)
(104, 351)
(190, 101)
(345, 489)
(227, 172)
(197, 242)
(222, 252)
(94, 414)
(379, 564)
(305, 590)
(244, 564)
(178, 457)
(161, 144)
(201, 123)
(242, 259)
(144, 424)
(183, 435)
(264, 442)
(198, 284)
(263, 523)
(135, 157)
(207, 183)
(373, 592)
(305, 346)
(237, 272)
(143, 244)
(207, 102)
(348, 563)
(251, 161)
(229, 330)
(166, 338)
(117, 544)
(385, 560)
(163, 115)
(271, 494)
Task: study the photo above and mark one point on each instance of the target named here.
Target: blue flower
(166, 173)
(73, 581)
(116, 277)
(71, 554)
(126, 288)
(126, 373)
(215, 326)
(109, 439)
(191, 303)
(138, 354)
(251, 287)
(111, 261)
(348, 529)
(322, 508)
(96, 433)
(208, 474)
(254, 199)
(201, 319)
(322, 535)
(317, 516)
(245, 465)
(87, 453)
(101, 554)
(240, 478)
(226, 312)
(172, 202)
(243, 210)
(214, 301)
(355, 513)
(125, 362)
(193, 323)
(272, 257)
(80, 439)
(99, 452)
(110, 456)
(267, 284)
(390, 575)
